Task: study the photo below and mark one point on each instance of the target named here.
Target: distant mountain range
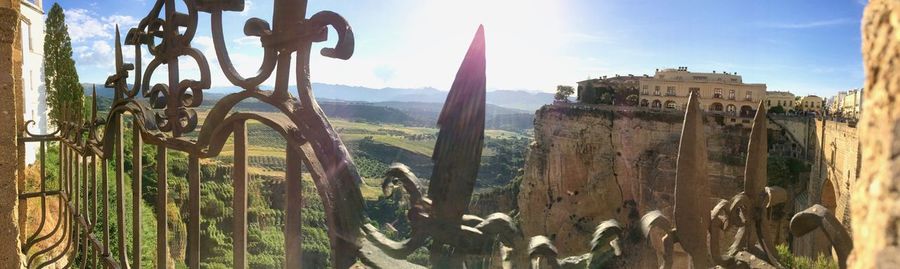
(521, 100)
(410, 107)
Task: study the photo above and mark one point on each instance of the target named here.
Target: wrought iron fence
(82, 237)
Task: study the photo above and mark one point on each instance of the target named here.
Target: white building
(32, 29)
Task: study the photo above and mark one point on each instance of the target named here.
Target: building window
(26, 36)
(695, 90)
(717, 93)
(670, 91)
(656, 91)
(731, 94)
(670, 104)
(749, 96)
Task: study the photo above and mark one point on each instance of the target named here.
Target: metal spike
(94, 103)
(457, 152)
(120, 69)
(119, 58)
(757, 153)
(692, 187)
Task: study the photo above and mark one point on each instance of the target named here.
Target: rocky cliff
(593, 163)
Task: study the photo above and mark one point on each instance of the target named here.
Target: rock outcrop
(593, 163)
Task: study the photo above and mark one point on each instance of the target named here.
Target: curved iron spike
(607, 234)
(344, 48)
(775, 196)
(817, 216)
(502, 226)
(655, 220)
(540, 247)
(407, 178)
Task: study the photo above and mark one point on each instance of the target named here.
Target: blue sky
(804, 46)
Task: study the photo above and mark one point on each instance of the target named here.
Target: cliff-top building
(32, 37)
(810, 103)
(719, 92)
(846, 104)
(778, 98)
(836, 102)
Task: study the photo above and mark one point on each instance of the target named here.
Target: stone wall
(874, 204)
(11, 118)
(593, 163)
(835, 167)
(834, 156)
(833, 151)
(800, 130)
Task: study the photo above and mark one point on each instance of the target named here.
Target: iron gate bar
(166, 114)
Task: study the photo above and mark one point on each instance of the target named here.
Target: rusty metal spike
(457, 152)
(692, 187)
(119, 58)
(93, 103)
(755, 177)
(114, 79)
(817, 216)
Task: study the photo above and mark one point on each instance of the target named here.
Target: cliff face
(590, 164)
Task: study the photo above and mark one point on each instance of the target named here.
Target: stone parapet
(10, 118)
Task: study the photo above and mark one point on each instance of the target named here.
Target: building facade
(34, 94)
(719, 92)
(836, 104)
(783, 99)
(810, 103)
(851, 106)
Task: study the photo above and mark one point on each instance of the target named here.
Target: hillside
(407, 113)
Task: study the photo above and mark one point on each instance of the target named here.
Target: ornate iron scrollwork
(438, 219)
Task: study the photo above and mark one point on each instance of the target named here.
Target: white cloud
(247, 41)
(97, 53)
(84, 25)
(809, 24)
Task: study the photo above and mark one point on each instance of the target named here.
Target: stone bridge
(832, 149)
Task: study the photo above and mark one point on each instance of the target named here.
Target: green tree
(776, 110)
(64, 92)
(607, 98)
(632, 100)
(563, 92)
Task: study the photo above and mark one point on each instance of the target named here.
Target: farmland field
(373, 145)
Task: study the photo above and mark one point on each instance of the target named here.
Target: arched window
(747, 111)
(670, 104)
(656, 104)
(645, 103)
(717, 107)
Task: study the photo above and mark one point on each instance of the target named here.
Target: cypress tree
(64, 92)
